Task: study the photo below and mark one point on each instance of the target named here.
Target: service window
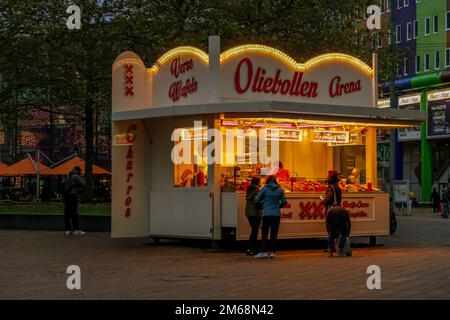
(188, 157)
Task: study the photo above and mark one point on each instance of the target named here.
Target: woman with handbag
(337, 218)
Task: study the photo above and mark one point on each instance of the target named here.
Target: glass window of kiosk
(190, 167)
(306, 152)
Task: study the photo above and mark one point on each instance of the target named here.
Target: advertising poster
(439, 118)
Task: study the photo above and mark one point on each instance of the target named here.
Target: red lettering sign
(256, 79)
(130, 137)
(128, 78)
(338, 89)
(179, 90)
(177, 68)
(259, 82)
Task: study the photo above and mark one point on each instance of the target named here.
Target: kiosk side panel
(131, 179)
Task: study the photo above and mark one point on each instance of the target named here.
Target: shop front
(190, 132)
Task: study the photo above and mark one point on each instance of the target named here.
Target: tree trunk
(89, 155)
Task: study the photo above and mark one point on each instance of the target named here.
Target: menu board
(439, 118)
(284, 135)
(331, 136)
(411, 133)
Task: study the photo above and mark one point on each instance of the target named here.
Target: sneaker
(261, 255)
(250, 253)
(272, 255)
(79, 233)
(68, 233)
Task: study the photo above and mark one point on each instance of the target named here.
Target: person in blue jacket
(273, 199)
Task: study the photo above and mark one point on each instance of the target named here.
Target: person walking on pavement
(72, 189)
(435, 201)
(253, 213)
(273, 199)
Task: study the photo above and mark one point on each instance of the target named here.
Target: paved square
(414, 262)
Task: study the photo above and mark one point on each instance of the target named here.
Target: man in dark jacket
(337, 218)
(435, 200)
(72, 188)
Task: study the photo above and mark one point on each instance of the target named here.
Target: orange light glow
(180, 50)
(256, 48)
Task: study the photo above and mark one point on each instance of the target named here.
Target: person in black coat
(337, 218)
(253, 213)
(435, 200)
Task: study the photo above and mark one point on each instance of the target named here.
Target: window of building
(382, 6)
(447, 20)
(417, 64)
(416, 29)
(398, 34)
(405, 66)
(399, 4)
(388, 5)
(435, 24)
(406, 3)
(409, 30)
(427, 26)
(427, 62)
(447, 57)
(437, 60)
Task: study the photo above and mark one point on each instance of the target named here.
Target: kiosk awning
(283, 109)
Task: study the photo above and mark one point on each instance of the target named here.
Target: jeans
(71, 212)
(255, 222)
(271, 223)
(334, 234)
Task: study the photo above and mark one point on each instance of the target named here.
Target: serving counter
(303, 217)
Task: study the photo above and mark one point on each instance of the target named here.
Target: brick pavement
(415, 264)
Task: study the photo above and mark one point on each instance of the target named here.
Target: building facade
(422, 31)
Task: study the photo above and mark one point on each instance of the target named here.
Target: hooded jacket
(272, 198)
(252, 209)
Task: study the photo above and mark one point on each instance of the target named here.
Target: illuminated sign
(384, 103)
(121, 140)
(284, 135)
(408, 100)
(440, 95)
(331, 136)
(187, 134)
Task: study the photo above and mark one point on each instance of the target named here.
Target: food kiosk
(191, 131)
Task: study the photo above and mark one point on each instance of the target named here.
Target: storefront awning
(282, 109)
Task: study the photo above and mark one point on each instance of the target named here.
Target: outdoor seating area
(31, 181)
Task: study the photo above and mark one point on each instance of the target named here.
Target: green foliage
(46, 66)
